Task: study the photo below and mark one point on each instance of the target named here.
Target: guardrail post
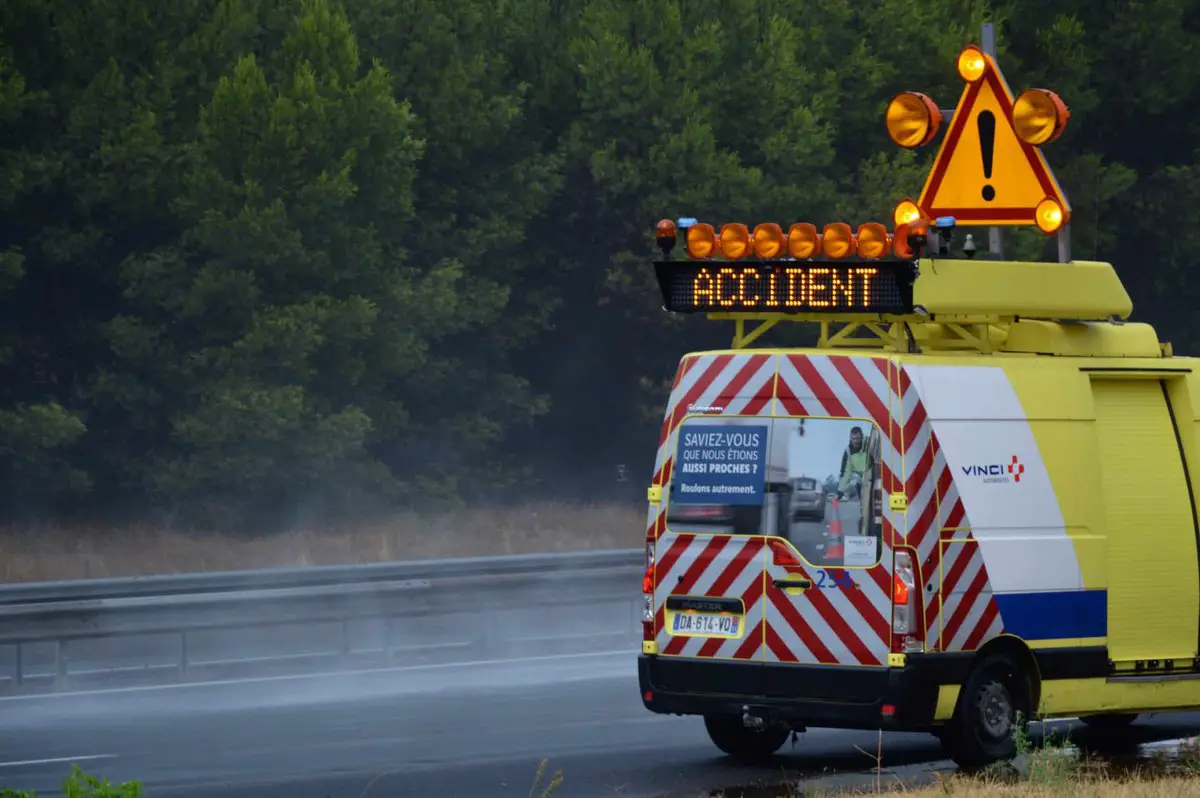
(61, 653)
(490, 644)
(389, 653)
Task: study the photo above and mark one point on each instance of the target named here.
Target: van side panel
(960, 611)
(705, 564)
(1061, 414)
(1152, 579)
(1031, 562)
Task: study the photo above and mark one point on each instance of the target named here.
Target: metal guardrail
(224, 581)
(195, 627)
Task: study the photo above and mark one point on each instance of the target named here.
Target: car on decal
(808, 499)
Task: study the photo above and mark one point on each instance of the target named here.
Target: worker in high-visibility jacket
(854, 462)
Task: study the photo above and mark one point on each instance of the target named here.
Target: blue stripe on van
(1054, 614)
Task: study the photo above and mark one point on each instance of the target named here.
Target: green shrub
(83, 785)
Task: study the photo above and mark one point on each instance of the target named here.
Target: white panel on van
(1015, 515)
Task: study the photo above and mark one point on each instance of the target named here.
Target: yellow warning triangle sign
(984, 174)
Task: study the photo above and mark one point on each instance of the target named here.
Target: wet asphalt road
(448, 731)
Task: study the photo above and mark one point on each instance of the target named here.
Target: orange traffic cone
(835, 549)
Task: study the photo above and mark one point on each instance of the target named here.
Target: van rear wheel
(732, 736)
(985, 719)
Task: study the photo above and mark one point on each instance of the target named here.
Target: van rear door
(708, 570)
(831, 604)
(748, 567)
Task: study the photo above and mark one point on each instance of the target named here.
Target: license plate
(706, 624)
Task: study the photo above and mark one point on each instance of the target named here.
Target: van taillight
(648, 594)
(905, 635)
(781, 555)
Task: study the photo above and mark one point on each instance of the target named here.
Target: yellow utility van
(1010, 469)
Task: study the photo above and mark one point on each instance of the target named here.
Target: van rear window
(814, 481)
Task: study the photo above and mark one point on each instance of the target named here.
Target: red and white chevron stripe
(850, 624)
(847, 625)
(729, 384)
(967, 615)
(959, 615)
(711, 565)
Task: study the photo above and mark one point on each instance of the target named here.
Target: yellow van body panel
(1113, 425)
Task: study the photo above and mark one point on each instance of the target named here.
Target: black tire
(746, 745)
(1109, 721)
(981, 731)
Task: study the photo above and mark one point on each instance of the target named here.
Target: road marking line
(58, 760)
(631, 653)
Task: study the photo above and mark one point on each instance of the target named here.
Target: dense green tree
(271, 329)
(269, 260)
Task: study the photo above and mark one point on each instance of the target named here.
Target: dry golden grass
(1167, 787)
(961, 787)
(49, 552)
(1055, 769)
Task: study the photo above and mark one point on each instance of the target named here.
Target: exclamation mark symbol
(987, 140)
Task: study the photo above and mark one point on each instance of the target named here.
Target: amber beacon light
(971, 64)
(769, 241)
(838, 240)
(1049, 216)
(701, 241)
(873, 240)
(913, 119)
(803, 241)
(906, 212)
(735, 241)
(1039, 116)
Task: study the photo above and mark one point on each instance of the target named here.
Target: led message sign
(786, 287)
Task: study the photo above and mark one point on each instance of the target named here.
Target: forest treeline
(273, 261)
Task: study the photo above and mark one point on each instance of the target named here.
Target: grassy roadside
(50, 552)
(1134, 787)
(1054, 768)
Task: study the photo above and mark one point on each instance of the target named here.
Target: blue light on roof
(943, 222)
(684, 222)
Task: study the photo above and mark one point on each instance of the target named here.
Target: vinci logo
(997, 472)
